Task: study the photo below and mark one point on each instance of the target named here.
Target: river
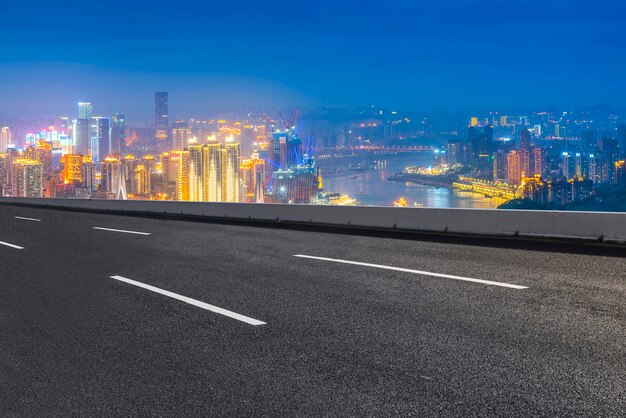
(371, 187)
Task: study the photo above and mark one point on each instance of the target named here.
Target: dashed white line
(17, 247)
(121, 230)
(424, 273)
(191, 301)
(27, 219)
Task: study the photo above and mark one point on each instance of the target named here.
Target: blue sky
(416, 55)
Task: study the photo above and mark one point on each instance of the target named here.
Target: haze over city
(405, 55)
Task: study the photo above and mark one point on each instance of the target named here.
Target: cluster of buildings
(550, 170)
(96, 157)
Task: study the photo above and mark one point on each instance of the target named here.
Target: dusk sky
(414, 55)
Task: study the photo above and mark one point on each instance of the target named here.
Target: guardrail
(597, 226)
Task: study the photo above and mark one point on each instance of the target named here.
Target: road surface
(119, 315)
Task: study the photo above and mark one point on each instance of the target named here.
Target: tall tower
(212, 162)
(230, 176)
(84, 110)
(118, 133)
(5, 139)
(195, 173)
(104, 139)
(161, 121)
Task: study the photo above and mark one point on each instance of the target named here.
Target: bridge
(324, 153)
(128, 307)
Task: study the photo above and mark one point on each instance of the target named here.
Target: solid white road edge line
(424, 273)
(121, 230)
(27, 219)
(17, 247)
(191, 301)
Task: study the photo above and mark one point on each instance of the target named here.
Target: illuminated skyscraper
(179, 165)
(88, 175)
(500, 166)
(118, 133)
(72, 168)
(212, 163)
(110, 172)
(28, 176)
(82, 139)
(181, 132)
(279, 149)
(84, 110)
(5, 139)
(11, 155)
(195, 173)
(252, 177)
(230, 176)
(514, 168)
(104, 138)
(3, 174)
(140, 182)
(161, 120)
(42, 153)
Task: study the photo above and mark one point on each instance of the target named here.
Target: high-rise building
(84, 110)
(28, 176)
(181, 133)
(118, 134)
(279, 149)
(179, 170)
(524, 139)
(82, 139)
(6, 139)
(600, 168)
(88, 175)
(230, 176)
(9, 188)
(161, 120)
(537, 162)
(110, 175)
(454, 153)
(42, 152)
(104, 139)
(72, 168)
(195, 173)
(95, 140)
(212, 171)
(514, 168)
(480, 140)
(500, 166)
(252, 177)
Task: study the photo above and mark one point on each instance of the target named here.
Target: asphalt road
(208, 319)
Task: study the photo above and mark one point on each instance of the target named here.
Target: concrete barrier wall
(609, 227)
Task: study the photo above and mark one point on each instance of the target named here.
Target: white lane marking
(191, 301)
(121, 230)
(27, 219)
(17, 247)
(424, 273)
